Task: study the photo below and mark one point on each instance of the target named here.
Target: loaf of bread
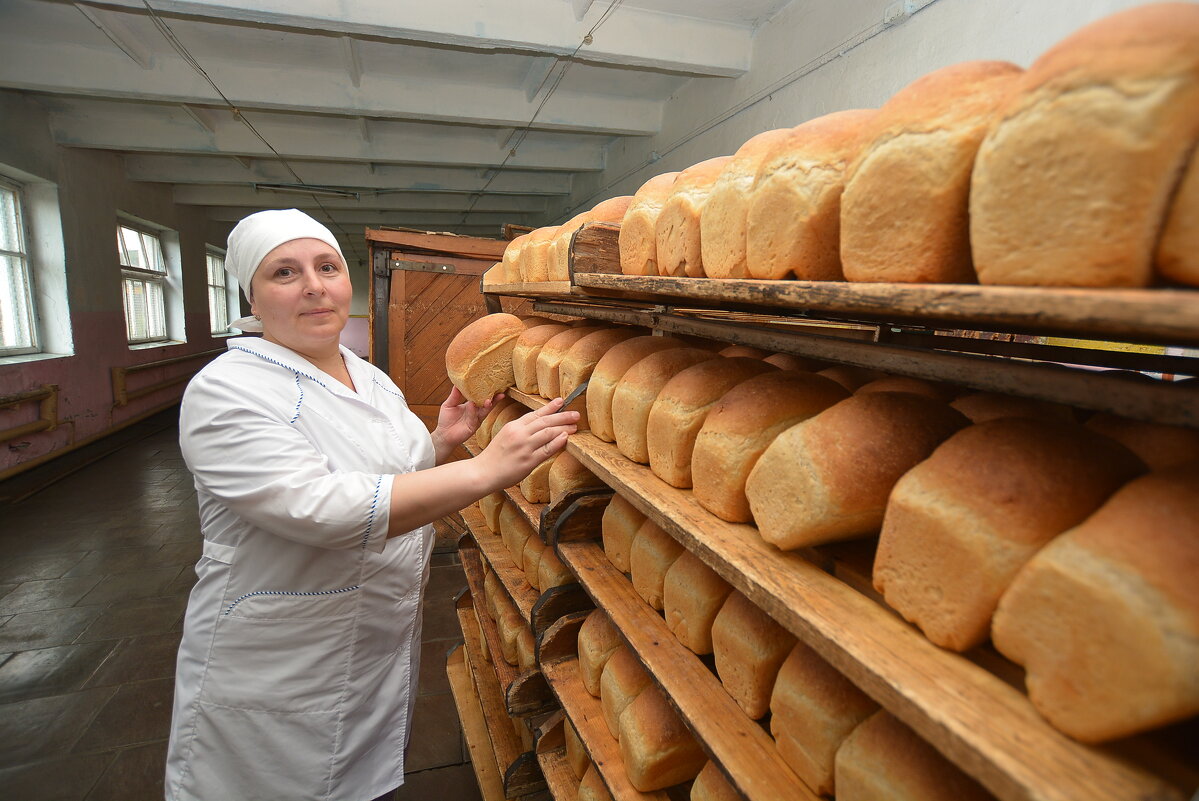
(484, 431)
(677, 229)
(789, 361)
(1177, 257)
(592, 787)
(611, 210)
(608, 372)
(534, 256)
(740, 426)
(656, 747)
(576, 755)
(551, 572)
(904, 214)
(794, 219)
(983, 406)
(722, 220)
(651, 554)
(568, 475)
(638, 240)
(526, 649)
(478, 359)
(536, 485)
(531, 560)
(490, 506)
(960, 524)
(491, 592)
(510, 624)
(903, 383)
(618, 527)
(678, 413)
(510, 264)
(551, 355)
(828, 477)
(1158, 445)
(510, 412)
(692, 595)
(622, 680)
(527, 349)
(849, 376)
(637, 391)
(745, 351)
(812, 710)
(532, 321)
(580, 361)
(882, 758)
(749, 647)
(1072, 185)
(1105, 619)
(711, 785)
(598, 640)
(515, 531)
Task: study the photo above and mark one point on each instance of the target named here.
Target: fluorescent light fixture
(307, 189)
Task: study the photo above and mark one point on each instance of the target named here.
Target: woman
(316, 485)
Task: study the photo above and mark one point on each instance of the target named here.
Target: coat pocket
(283, 652)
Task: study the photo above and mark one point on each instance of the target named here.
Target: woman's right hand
(526, 442)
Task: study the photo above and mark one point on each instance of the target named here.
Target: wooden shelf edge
(980, 723)
(533, 289)
(474, 727)
(551, 754)
(742, 747)
(587, 717)
(472, 567)
(491, 695)
(511, 577)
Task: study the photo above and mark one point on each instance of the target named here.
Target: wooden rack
(551, 755)
(474, 726)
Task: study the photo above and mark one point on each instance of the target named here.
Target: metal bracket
(420, 266)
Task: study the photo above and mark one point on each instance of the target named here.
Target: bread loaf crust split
(1177, 257)
(1105, 619)
(526, 350)
(794, 220)
(551, 355)
(960, 524)
(904, 214)
(679, 411)
(677, 230)
(638, 239)
(828, 477)
(478, 359)
(1071, 187)
(722, 220)
(742, 424)
(608, 372)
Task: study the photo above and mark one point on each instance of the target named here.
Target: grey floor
(94, 575)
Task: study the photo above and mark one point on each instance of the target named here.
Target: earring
(258, 318)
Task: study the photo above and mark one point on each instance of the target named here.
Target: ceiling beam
(112, 26)
(631, 37)
(156, 128)
(369, 217)
(208, 169)
(221, 195)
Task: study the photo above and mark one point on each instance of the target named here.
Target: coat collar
(289, 359)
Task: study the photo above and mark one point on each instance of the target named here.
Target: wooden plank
(743, 748)
(468, 246)
(577, 518)
(980, 723)
(1163, 316)
(551, 754)
(397, 354)
(561, 639)
(506, 745)
(460, 264)
(474, 727)
(588, 719)
(594, 248)
(486, 635)
(511, 577)
(532, 289)
(557, 602)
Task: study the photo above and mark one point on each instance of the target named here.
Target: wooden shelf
(1164, 316)
(587, 717)
(519, 771)
(524, 693)
(551, 755)
(982, 724)
(532, 289)
(474, 727)
(742, 747)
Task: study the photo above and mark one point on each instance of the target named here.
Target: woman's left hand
(457, 420)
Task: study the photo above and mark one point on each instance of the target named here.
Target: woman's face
(302, 293)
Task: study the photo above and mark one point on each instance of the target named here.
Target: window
(18, 325)
(144, 275)
(220, 293)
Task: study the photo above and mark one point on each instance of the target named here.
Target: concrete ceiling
(409, 109)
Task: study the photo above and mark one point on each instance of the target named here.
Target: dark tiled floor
(94, 576)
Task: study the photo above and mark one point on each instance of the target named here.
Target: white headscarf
(259, 234)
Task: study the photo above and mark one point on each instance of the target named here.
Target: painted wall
(91, 189)
(820, 56)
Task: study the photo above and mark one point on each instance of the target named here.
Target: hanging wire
(588, 38)
(191, 61)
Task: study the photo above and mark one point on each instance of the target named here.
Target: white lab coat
(301, 645)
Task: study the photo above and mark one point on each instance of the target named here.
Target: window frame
(229, 289)
(26, 270)
(146, 276)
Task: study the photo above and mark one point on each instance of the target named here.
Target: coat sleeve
(267, 472)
